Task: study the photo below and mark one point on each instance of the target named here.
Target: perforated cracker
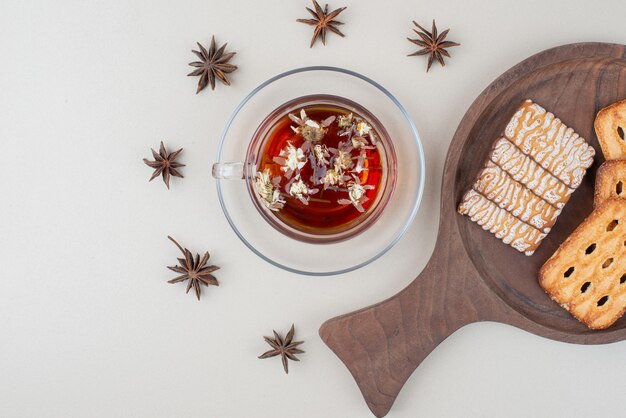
(587, 274)
(610, 181)
(610, 127)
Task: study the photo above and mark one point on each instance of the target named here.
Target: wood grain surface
(471, 275)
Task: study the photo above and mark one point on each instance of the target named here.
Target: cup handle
(228, 170)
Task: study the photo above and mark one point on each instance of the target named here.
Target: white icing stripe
(501, 223)
(551, 143)
(526, 171)
(497, 186)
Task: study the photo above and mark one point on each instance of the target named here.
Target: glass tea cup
(319, 169)
(264, 232)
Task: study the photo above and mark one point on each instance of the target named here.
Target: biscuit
(554, 146)
(587, 274)
(610, 181)
(610, 128)
(526, 171)
(496, 185)
(502, 224)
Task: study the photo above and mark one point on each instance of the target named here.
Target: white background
(88, 325)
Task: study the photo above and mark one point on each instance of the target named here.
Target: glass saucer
(338, 257)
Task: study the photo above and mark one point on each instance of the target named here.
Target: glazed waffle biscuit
(610, 128)
(502, 224)
(587, 274)
(497, 186)
(554, 146)
(526, 171)
(610, 181)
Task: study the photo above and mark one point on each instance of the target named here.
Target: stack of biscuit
(528, 178)
(587, 274)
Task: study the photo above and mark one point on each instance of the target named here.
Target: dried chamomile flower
(345, 121)
(358, 142)
(268, 191)
(356, 192)
(331, 178)
(300, 191)
(300, 121)
(312, 131)
(291, 160)
(343, 161)
(356, 129)
(321, 154)
(363, 128)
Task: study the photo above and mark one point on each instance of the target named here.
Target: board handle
(383, 344)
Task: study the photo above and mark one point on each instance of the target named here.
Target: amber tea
(322, 168)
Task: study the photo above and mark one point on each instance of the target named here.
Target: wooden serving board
(471, 275)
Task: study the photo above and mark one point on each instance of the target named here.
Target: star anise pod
(193, 269)
(432, 43)
(286, 348)
(323, 21)
(213, 63)
(164, 164)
